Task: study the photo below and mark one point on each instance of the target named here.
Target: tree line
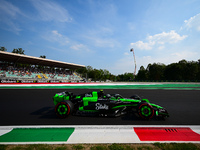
(183, 70)
(96, 74)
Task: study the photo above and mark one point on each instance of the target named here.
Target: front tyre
(145, 111)
(64, 109)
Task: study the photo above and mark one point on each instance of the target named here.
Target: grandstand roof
(18, 58)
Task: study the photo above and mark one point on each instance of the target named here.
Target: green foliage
(142, 74)
(3, 147)
(3, 49)
(112, 147)
(156, 146)
(77, 147)
(176, 72)
(99, 147)
(95, 74)
(31, 147)
(38, 147)
(18, 51)
(181, 71)
(61, 148)
(129, 148)
(145, 148)
(116, 147)
(176, 146)
(42, 56)
(125, 77)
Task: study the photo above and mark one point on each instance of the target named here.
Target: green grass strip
(37, 135)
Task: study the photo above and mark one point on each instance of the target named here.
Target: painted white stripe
(4, 131)
(195, 129)
(104, 135)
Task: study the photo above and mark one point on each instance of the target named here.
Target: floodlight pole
(132, 50)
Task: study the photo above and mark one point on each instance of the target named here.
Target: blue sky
(100, 33)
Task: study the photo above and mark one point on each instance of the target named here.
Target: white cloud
(125, 64)
(80, 48)
(7, 8)
(158, 40)
(100, 42)
(101, 36)
(56, 33)
(126, 53)
(55, 36)
(166, 37)
(51, 11)
(161, 47)
(143, 46)
(184, 55)
(9, 13)
(193, 22)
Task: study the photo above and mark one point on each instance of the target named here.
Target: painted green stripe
(37, 135)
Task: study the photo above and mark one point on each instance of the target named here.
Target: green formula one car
(100, 104)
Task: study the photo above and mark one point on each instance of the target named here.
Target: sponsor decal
(27, 81)
(162, 110)
(54, 81)
(101, 106)
(41, 81)
(88, 95)
(8, 81)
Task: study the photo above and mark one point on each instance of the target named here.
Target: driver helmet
(101, 93)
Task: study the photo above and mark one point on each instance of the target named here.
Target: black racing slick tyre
(145, 111)
(64, 109)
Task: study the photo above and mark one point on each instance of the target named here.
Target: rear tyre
(145, 111)
(64, 109)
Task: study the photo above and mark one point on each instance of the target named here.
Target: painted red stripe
(166, 134)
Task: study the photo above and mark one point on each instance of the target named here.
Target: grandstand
(52, 71)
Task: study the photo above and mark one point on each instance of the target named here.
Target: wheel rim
(62, 109)
(146, 111)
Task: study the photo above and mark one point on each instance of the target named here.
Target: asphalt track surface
(35, 107)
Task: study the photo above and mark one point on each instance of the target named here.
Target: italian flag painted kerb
(98, 134)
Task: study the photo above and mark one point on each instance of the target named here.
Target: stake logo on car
(100, 106)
